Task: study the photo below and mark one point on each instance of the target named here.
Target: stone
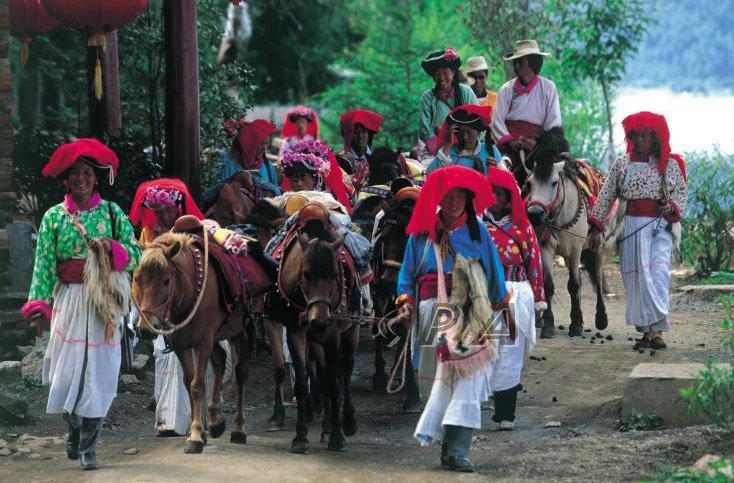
(139, 364)
(3, 443)
(128, 379)
(703, 465)
(130, 451)
(32, 363)
(553, 424)
(654, 388)
(21, 250)
(5, 452)
(24, 350)
(13, 394)
(10, 373)
(34, 456)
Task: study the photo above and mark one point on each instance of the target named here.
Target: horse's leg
(316, 401)
(595, 267)
(332, 353)
(196, 440)
(548, 330)
(379, 379)
(275, 334)
(242, 371)
(216, 423)
(350, 340)
(574, 291)
(297, 346)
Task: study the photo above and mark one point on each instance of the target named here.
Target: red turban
(67, 154)
(251, 135)
(649, 121)
(142, 215)
(438, 184)
(289, 127)
(349, 120)
(504, 179)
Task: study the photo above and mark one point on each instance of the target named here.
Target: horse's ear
(226, 194)
(306, 242)
(569, 162)
(172, 250)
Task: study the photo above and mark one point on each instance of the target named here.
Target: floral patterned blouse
(59, 240)
(644, 183)
(519, 253)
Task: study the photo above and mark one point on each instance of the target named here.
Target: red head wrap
(504, 179)
(289, 127)
(437, 185)
(142, 215)
(333, 181)
(649, 121)
(250, 136)
(67, 154)
(482, 114)
(349, 120)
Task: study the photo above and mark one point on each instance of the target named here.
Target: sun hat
(524, 48)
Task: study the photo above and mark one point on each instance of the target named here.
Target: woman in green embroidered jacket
(448, 93)
(82, 360)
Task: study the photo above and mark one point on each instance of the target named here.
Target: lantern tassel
(24, 54)
(98, 80)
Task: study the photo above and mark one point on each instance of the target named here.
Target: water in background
(696, 121)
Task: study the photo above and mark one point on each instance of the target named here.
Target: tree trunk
(111, 76)
(608, 111)
(182, 93)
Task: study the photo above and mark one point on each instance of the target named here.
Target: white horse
(558, 210)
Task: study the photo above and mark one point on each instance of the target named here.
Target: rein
(199, 298)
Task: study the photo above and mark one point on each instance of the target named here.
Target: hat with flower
(160, 193)
(442, 58)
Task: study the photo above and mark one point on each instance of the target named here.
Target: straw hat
(475, 64)
(523, 48)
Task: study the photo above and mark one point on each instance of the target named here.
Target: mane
(154, 259)
(550, 145)
(262, 213)
(320, 259)
(316, 229)
(400, 214)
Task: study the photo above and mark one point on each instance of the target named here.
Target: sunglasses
(478, 76)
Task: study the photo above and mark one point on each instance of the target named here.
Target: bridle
(551, 210)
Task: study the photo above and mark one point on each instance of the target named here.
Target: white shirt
(536, 103)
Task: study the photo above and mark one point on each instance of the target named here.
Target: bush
(708, 224)
(712, 394)
(640, 422)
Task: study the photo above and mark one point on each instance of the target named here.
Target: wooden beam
(182, 93)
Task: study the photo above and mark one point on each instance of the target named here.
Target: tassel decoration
(100, 42)
(98, 80)
(24, 53)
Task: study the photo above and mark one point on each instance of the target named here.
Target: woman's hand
(107, 245)
(515, 144)
(594, 239)
(527, 143)
(406, 310)
(665, 210)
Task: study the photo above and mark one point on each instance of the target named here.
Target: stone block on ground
(10, 373)
(32, 363)
(13, 394)
(654, 388)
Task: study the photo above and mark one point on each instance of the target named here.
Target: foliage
(720, 471)
(708, 239)
(718, 278)
(672, 56)
(295, 41)
(640, 422)
(713, 394)
(386, 75)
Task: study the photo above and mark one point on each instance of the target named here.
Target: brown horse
(178, 295)
(387, 258)
(313, 282)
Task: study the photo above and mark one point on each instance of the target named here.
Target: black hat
(398, 184)
(442, 58)
(466, 118)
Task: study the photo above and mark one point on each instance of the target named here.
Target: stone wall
(7, 197)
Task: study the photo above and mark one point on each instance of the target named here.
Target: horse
(558, 209)
(178, 295)
(387, 258)
(313, 282)
(522, 163)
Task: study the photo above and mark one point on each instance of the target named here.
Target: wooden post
(182, 93)
(111, 76)
(97, 108)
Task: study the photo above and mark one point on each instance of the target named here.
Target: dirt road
(572, 381)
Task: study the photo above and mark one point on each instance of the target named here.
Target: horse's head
(320, 279)
(233, 205)
(266, 219)
(392, 241)
(162, 282)
(544, 188)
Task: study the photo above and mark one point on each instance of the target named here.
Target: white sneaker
(505, 426)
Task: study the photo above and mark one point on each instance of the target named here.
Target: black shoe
(461, 464)
(72, 445)
(658, 343)
(444, 455)
(643, 343)
(89, 460)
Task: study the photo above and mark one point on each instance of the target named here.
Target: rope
(199, 298)
(658, 219)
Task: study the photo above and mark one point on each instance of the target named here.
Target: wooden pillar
(104, 114)
(182, 93)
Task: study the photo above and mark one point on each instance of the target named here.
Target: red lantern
(95, 18)
(29, 18)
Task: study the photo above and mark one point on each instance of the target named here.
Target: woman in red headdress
(358, 128)
(301, 124)
(444, 226)
(519, 253)
(83, 243)
(158, 204)
(652, 181)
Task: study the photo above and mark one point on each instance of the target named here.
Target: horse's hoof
(379, 382)
(299, 447)
(324, 436)
(602, 321)
(411, 407)
(575, 330)
(238, 437)
(349, 425)
(216, 430)
(336, 442)
(194, 447)
(547, 332)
